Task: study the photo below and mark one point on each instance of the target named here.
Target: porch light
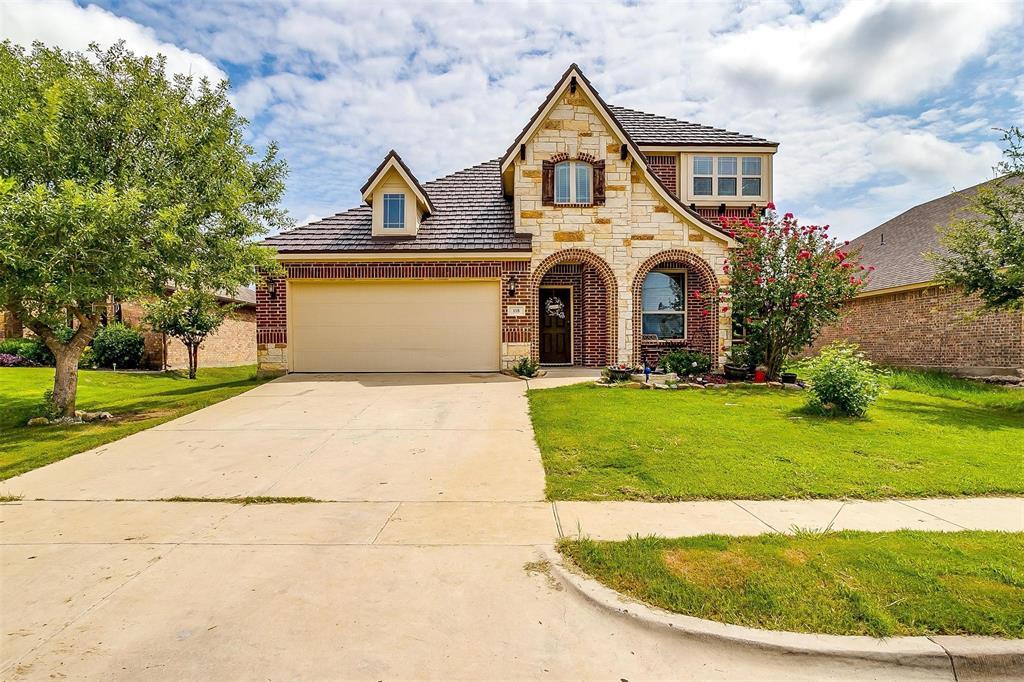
(272, 289)
(511, 286)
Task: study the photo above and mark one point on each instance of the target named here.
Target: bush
(33, 350)
(118, 345)
(842, 380)
(9, 360)
(526, 367)
(685, 363)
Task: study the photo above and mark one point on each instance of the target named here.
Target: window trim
(384, 215)
(572, 165)
(685, 312)
(714, 176)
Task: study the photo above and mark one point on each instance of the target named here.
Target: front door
(556, 325)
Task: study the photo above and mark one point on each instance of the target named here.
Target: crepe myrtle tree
(114, 181)
(787, 281)
(189, 315)
(985, 250)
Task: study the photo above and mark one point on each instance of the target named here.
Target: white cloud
(869, 52)
(449, 85)
(64, 24)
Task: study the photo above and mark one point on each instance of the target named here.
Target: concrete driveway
(423, 566)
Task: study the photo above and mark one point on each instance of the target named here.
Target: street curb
(986, 657)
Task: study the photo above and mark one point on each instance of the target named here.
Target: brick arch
(599, 302)
(708, 283)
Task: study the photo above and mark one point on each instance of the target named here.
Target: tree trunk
(193, 359)
(65, 379)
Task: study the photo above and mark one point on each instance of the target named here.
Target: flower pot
(788, 377)
(619, 374)
(760, 376)
(735, 372)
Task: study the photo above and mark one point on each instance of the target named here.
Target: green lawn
(138, 401)
(942, 437)
(849, 583)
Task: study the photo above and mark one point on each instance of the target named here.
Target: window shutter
(547, 184)
(599, 183)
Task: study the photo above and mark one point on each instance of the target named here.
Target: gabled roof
(898, 248)
(650, 129)
(574, 75)
(392, 161)
(470, 214)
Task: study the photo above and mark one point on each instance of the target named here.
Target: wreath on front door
(555, 307)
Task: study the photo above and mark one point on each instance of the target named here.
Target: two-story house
(595, 239)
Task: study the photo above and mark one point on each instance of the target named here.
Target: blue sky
(878, 105)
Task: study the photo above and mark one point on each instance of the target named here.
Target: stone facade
(931, 327)
(602, 251)
(634, 224)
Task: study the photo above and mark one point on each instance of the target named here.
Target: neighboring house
(232, 344)
(903, 317)
(594, 239)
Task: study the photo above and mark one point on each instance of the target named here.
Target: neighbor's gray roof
(901, 259)
(470, 214)
(650, 129)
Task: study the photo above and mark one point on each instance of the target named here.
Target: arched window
(664, 304)
(574, 181)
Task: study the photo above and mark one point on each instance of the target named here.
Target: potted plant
(760, 374)
(788, 377)
(738, 366)
(619, 372)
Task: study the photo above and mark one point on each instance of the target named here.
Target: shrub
(526, 367)
(88, 358)
(118, 345)
(685, 363)
(9, 360)
(842, 380)
(32, 349)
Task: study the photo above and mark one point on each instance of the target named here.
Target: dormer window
(727, 176)
(394, 211)
(573, 182)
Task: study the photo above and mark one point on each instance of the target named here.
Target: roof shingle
(898, 248)
(470, 214)
(650, 129)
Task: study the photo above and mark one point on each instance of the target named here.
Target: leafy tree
(115, 180)
(986, 248)
(787, 282)
(189, 315)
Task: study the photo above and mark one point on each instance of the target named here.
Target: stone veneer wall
(931, 328)
(633, 225)
(272, 313)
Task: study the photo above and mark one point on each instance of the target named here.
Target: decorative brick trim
(702, 330)
(596, 304)
(711, 212)
(582, 156)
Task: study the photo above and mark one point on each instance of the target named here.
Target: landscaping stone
(38, 421)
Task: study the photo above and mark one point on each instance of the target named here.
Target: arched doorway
(573, 294)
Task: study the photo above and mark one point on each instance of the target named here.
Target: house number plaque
(516, 311)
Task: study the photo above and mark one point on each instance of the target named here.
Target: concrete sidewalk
(618, 520)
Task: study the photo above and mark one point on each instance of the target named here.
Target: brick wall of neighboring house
(10, 328)
(930, 327)
(234, 343)
(272, 312)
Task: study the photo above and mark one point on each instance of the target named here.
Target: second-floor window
(394, 211)
(573, 182)
(727, 176)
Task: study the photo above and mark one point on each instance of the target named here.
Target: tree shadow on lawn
(960, 417)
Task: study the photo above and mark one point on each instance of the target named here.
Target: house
(232, 344)
(904, 317)
(594, 239)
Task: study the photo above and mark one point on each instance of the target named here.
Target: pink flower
(770, 206)
(803, 255)
(725, 309)
(696, 294)
(871, 268)
(705, 312)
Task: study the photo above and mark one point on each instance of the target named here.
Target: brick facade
(666, 168)
(932, 327)
(234, 343)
